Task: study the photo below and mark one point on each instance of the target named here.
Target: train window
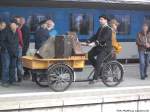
(5, 16)
(82, 23)
(34, 20)
(124, 27)
(147, 20)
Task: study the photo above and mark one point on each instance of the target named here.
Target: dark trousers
(8, 67)
(0, 68)
(96, 57)
(25, 49)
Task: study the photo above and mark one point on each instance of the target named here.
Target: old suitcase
(47, 50)
(63, 46)
(77, 48)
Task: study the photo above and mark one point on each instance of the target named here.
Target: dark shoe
(19, 80)
(146, 76)
(15, 84)
(100, 77)
(142, 78)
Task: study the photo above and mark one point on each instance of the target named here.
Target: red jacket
(20, 37)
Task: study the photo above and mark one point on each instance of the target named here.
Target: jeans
(144, 62)
(20, 70)
(8, 67)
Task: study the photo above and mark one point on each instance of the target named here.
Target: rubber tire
(121, 77)
(71, 75)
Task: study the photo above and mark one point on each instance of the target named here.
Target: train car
(82, 17)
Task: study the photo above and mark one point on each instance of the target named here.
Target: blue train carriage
(82, 17)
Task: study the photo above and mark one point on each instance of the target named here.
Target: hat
(14, 21)
(42, 22)
(105, 17)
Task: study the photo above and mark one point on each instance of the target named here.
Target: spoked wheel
(60, 77)
(112, 73)
(41, 79)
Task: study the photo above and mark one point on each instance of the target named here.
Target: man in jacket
(20, 70)
(10, 54)
(41, 35)
(2, 49)
(26, 36)
(143, 44)
(102, 45)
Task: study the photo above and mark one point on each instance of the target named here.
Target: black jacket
(12, 43)
(41, 36)
(3, 40)
(26, 35)
(103, 37)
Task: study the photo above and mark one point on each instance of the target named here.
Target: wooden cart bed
(32, 62)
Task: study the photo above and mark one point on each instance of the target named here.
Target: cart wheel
(40, 79)
(112, 73)
(60, 77)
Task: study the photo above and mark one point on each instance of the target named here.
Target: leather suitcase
(77, 48)
(47, 50)
(63, 46)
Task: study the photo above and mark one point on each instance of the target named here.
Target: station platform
(132, 94)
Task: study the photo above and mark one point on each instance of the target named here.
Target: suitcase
(77, 48)
(47, 50)
(63, 46)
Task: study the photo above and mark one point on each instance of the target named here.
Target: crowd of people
(15, 39)
(14, 43)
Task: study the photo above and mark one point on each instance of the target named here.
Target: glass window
(125, 26)
(147, 20)
(34, 20)
(82, 23)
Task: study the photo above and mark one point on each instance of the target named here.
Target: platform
(131, 94)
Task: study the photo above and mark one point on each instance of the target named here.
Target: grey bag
(77, 48)
(47, 50)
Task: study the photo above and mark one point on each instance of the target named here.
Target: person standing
(143, 44)
(116, 45)
(50, 27)
(25, 35)
(2, 47)
(102, 45)
(20, 70)
(26, 41)
(10, 54)
(41, 35)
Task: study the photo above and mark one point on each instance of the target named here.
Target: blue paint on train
(62, 18)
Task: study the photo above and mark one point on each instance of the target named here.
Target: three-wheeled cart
(58, 73)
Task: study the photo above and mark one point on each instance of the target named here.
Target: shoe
(14, 83)
(5, 84)
(146, 76)
(142, 78)
(19, 80)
